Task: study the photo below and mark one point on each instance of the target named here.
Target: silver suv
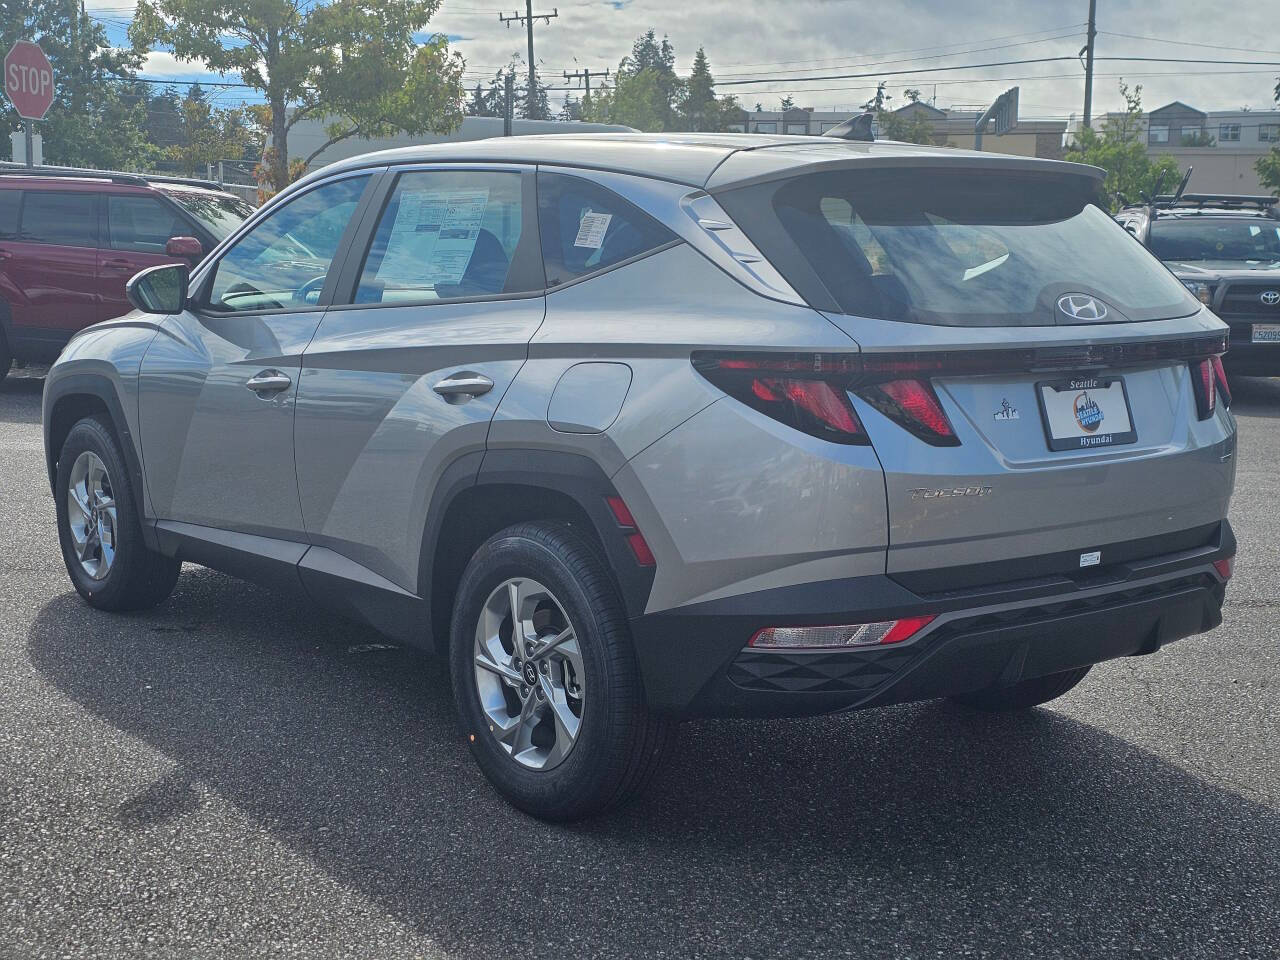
(638, 428)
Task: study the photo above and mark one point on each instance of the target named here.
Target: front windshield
(956, 247)
(219, 215)
(1216, 238)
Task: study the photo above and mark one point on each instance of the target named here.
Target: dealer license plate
(1085, 411)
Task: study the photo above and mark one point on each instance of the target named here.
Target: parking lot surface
(237, 775)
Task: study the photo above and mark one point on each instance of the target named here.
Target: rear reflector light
(849, 635)
(1220, 376)
(914, 405)
(1225, 567)
(627, 524)
(1203, 379)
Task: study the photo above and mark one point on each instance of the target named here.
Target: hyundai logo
(1270, 297)
(1079, 306)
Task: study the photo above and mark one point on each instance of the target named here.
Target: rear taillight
(1220, 377)
(807, 392)
(1203, 381)
(848, 635)
(914, 405)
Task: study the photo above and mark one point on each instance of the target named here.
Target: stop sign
(28, 79)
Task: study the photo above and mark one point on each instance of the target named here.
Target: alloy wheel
(529, 673)
(91, 515)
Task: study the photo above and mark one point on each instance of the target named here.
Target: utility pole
(585, 76)
(508, 102)
(528, 17)
(1088, 63)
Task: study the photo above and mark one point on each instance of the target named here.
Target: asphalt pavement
(236, 775)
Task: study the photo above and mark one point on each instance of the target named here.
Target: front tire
(99, 527)
(545, 676)
(1024, 694)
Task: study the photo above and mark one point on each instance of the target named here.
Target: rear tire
(1024, 694)
(99, 527)
(572, 736)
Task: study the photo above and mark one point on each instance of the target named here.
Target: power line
(1186, 43)
(997, 63)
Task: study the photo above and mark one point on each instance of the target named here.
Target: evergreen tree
(701, 109)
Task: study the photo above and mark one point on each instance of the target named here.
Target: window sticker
(434, 235)
(591, 230)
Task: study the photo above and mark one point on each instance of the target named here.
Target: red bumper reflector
(845, 636)
(1225, 567)
(627, 524)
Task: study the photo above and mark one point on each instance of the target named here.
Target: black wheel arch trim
(100, 388)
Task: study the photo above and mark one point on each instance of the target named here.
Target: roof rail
(1219, 199)
(115, 176)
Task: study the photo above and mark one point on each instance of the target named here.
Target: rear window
(67, 219)
(586, 228)
(958, 248)
(1221, 238)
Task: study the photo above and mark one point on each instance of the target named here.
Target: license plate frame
(1083, 438)
(1270, 331)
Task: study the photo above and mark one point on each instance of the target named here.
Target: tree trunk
(279, 144)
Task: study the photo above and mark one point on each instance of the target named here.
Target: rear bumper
(696, 662)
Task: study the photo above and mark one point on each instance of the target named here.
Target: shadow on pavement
(914, 831)
(1255, 396)
(20, 398)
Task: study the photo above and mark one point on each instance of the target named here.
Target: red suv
(69, 240)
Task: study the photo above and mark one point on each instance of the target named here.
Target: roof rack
(114, 176)
(1216, 199)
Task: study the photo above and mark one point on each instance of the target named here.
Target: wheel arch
(69, 400)
(510, 486)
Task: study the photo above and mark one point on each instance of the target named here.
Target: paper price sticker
(592, 229)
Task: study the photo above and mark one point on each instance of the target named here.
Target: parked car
(635, 428)
(70, 239)
(1226, 249)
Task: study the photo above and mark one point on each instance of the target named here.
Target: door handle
(269, 381)
(117, 264)
(462, 385)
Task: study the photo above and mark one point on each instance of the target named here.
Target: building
(950, 128)
(1222, 145)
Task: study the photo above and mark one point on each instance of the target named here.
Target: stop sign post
(28, 82)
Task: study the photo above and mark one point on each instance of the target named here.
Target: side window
(67, 219)
(586, 228)
(444, 234)
(10, 201)
(284, 260)
(140, 223)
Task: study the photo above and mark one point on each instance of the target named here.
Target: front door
(219, 382)
(137, 230)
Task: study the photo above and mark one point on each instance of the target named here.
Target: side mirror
(161, 289)
(187, 247)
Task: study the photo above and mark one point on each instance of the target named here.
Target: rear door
(138, 226)
(53, 264)
(1035, 384)
(402, 380)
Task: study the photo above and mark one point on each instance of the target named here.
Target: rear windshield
(219, 215)
(1221, 238)
(957, 248)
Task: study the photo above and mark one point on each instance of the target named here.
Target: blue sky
(782, 43)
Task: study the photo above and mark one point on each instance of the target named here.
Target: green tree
(206, 134)
(353, 63)
(880, 102)
(787, 103)
(1121, 150)
(98, 111)
(700, 109)
(906, 128)
(660, 88)
(1268, 167)
(493, 101)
